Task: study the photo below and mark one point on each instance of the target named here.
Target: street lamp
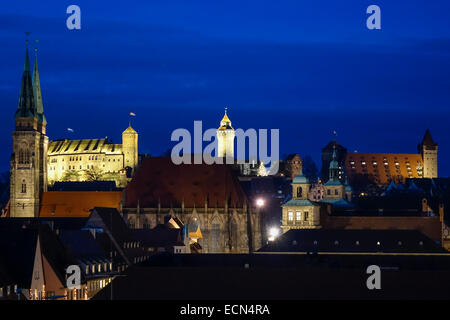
(259, 202)
(273, 233)
(262, 223)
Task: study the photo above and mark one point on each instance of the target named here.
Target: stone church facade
(206, 196)
(28, 163)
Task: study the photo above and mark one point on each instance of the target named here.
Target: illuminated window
(290, 216)
(297, 215)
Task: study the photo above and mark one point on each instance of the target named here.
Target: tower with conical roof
(225, 137)
(429, 151)
(28, 177)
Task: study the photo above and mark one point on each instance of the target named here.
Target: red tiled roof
(383, 167)
(77, 203)
(158, 179)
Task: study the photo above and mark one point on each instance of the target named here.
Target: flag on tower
(70, 129)
(132, 114)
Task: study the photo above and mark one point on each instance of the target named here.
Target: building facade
(93, 159)
(35, 162)
(384, 168)
(28, 162)
(225, 138)
(205, 197)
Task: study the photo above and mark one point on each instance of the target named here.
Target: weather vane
(27, 34)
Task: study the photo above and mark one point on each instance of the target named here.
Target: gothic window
(234, 234)
(215, 238)
(24, 188)
(24, 156)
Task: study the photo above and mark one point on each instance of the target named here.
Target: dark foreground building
(282, 277)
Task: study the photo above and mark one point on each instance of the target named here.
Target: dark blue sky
(304, 67)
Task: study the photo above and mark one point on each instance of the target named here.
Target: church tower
(225, 138)
(429, 149)
(334, 189)
(130, 148)
(29, 157)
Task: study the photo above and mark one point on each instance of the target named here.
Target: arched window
(234, 234)
(24, 156)
(215, 237)
(21, 156)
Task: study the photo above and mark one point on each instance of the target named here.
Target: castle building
(28, 162)
(383, 168)
(225, 138)
(428, 150)
(36, 163)
(93, 159)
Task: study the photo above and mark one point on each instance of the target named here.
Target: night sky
(304, 67)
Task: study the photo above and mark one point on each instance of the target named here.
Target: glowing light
(273, 233)
(260, 202)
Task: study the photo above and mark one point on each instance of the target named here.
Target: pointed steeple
(334, 167)
(37, 92)
(225, 123)
(26, 107)
(428, 140)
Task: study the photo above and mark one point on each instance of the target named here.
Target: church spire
(225, 123)
(37, 91)
(334, 166)
(26, 107)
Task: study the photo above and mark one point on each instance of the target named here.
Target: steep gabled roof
(159, 179)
